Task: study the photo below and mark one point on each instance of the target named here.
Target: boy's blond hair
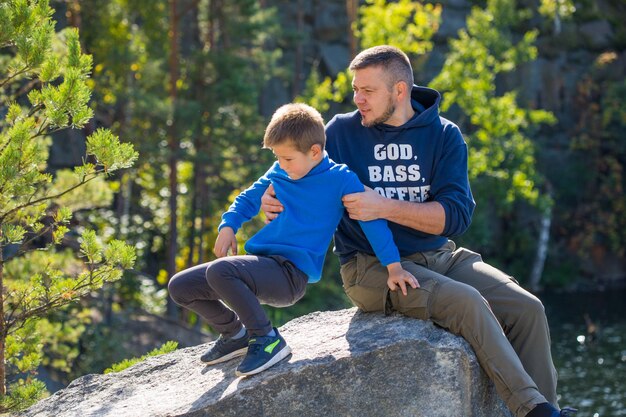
(298, 124)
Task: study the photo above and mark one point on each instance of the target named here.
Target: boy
(286, 254)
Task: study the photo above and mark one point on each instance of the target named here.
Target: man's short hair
(395, 63)
(298, 124)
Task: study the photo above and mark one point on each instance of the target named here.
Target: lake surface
(592, 370)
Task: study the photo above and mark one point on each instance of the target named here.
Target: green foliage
(52, 72)
(557, 9)
(321, 94)
(502, 164)
(223, 64)
(23, 394)
(405, 24)
(167, 347)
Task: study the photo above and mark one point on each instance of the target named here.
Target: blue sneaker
(225, 349)
(548, 410)
(263, 352)
(567, 412)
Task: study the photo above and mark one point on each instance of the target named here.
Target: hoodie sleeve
(450, 186)
(247, 203)
(377, 231)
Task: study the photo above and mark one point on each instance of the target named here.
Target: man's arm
(426, 217)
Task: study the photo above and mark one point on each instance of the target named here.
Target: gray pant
(505, 325)
(242, 282)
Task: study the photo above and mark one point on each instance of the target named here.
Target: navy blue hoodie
(423, 160)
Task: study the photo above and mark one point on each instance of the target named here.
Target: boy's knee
(217, 273)
(177, 289)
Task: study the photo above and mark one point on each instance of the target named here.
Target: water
(592, 370)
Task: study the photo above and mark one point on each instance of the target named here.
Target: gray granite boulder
(344, 363)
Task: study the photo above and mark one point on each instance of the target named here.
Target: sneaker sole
(227, 357)
(277, 358)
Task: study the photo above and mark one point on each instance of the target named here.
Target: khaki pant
(505, 325)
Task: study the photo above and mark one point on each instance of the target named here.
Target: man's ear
(401, 90)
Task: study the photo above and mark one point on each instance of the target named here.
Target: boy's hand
(399, 277)
(270, 205)
(225, 240)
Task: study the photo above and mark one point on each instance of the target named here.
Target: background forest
(127, 127)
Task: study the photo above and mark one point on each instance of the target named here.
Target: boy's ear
(316, 150)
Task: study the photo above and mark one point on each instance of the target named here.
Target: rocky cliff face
(344, 363)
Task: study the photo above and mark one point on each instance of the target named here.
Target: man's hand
(270, 205)
(364, 206)
(399, 277)
(225, 240)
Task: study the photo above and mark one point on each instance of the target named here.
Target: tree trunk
(173, 145)
(352, 10)
(204, 203)
(298, 74)
(193, 214)
(542, 250)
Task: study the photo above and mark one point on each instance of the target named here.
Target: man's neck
(402, 115)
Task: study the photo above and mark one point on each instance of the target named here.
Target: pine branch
(54, 303)
(23, 246)
(29, 86)
(35, 109)
(42, 199)
(19, 72)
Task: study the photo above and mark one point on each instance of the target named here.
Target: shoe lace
(254, 346)
(221, 341)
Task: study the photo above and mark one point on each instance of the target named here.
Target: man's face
(372, 97)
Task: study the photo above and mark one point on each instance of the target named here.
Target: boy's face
(296, 163)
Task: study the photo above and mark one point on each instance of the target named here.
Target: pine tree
(44, 88)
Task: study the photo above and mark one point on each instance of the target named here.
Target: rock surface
(344, 363)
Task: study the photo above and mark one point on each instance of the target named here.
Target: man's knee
(459, 300)
(532, 307)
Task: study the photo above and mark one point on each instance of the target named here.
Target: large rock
(344, 363)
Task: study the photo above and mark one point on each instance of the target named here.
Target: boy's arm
(225, 240)
(247, 203)
(400, 277)
(381, 239)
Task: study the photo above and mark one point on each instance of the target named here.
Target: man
(415, 163)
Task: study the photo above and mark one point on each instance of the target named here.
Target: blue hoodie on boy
(312, 209)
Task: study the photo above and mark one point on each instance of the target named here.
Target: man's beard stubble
(391, 108)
